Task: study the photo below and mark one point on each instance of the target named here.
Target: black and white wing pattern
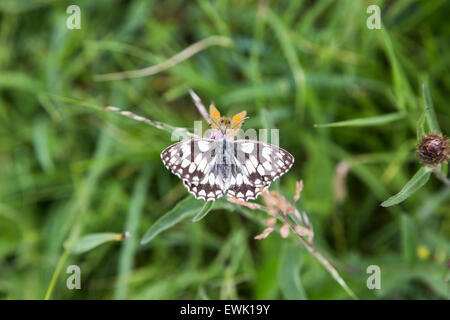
(193, 162)
(189, 159)
(259, 164)
(212, 168)
(206, 191)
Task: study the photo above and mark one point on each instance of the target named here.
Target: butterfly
(221, 165)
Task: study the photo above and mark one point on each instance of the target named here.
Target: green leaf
(205, 210)
(90, 241)
(365, 122)
(186, 207)
(289, 273)
(417, 181)
(429, 110)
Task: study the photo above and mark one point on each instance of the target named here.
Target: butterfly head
(224, 126)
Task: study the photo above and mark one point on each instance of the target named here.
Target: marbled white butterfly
(221, 165)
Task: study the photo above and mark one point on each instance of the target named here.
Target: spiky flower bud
(433, 149)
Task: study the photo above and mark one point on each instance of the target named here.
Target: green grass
(73, 176)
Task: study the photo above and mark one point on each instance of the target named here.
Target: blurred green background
(70, 169)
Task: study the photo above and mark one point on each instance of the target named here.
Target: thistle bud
(433, 149)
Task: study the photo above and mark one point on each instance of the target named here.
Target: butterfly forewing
(190, 160)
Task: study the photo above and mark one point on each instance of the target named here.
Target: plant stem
(55, 276)
(441, 177)
(322, 260)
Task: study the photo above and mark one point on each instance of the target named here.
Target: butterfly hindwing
(205, 191)
(244, 191)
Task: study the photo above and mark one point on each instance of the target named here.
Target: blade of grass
(397, 74)
(429, 110)
(255, 51)
(289, 274)
(128, 249)
(319, 257)
(81, 205)
(417, 181)
(181, 132)
(172, 61)
(365, 122)
(421, 126)
(290, 53)
(409, 239)
(41, 144)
